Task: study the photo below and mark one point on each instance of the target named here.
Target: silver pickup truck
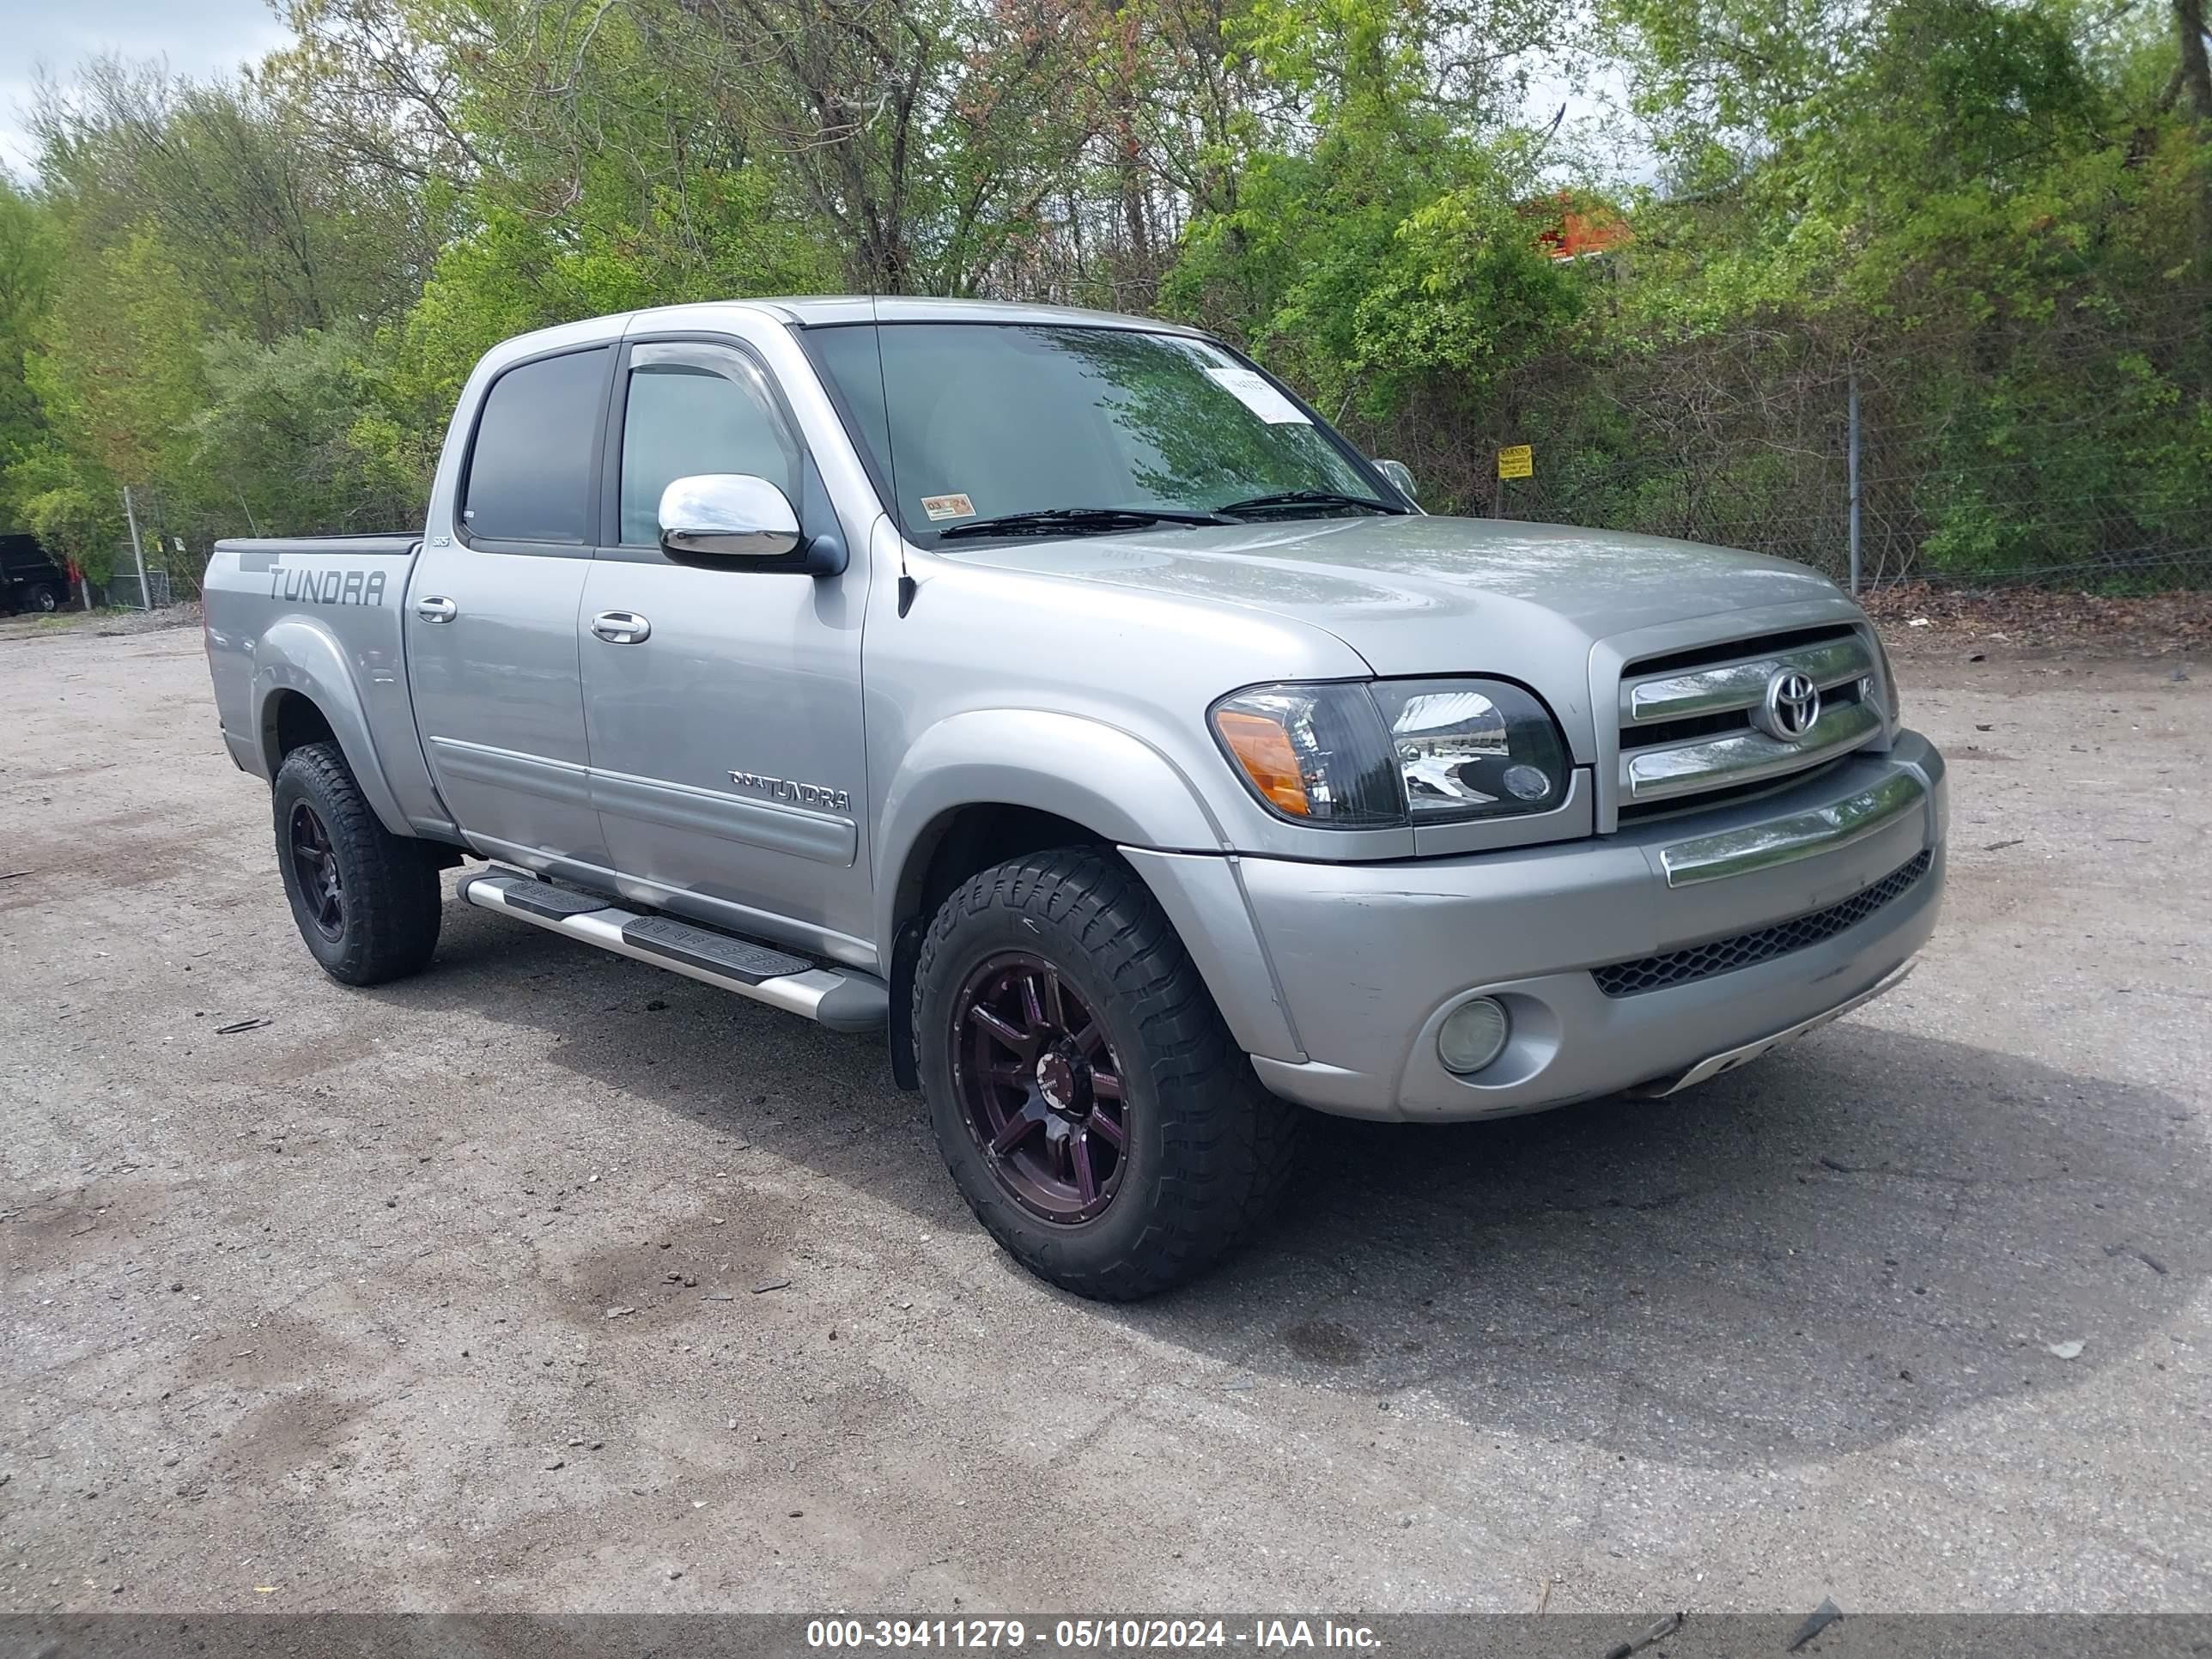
(1059, 695)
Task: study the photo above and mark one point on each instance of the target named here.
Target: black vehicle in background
(29, 579)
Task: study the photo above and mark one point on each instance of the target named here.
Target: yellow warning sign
(1519, 461)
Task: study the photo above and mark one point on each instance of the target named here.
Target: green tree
(268, 229)
(256, 298)
(27, 258)
(117, 374)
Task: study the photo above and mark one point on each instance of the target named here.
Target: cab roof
(822, 310)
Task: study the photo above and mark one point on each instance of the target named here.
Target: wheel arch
(290, 720)
(303, 692)
(957, 843)
(1025, 766)
(983, 787)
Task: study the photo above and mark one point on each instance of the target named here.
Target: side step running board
(838, 998)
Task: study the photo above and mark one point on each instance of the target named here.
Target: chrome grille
(1722, 956)
(1688, 721)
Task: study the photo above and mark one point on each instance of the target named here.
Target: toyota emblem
(1793, 703)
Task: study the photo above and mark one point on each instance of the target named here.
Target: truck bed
(322, 615)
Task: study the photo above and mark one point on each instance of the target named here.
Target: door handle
(621, 628)
(431, 609)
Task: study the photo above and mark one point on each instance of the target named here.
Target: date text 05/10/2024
(1079, 1635)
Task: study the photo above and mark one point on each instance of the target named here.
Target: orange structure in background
(1579, 226)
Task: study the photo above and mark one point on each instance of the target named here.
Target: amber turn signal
(1264, 750)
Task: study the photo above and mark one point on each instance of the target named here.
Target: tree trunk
(2195, 71)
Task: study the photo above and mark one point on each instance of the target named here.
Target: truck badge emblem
(800, 794)
(1793, 703)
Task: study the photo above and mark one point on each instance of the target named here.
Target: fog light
(1472, 1035)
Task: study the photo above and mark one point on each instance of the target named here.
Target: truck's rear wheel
(41, 598)
(1089, 1100)
(367, 901)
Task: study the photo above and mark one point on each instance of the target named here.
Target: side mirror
(1401, 478)
(729, 515)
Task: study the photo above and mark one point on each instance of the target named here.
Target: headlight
(1396, 752)
(1472, 749)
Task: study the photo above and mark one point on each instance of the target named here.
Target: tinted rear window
(530, 475)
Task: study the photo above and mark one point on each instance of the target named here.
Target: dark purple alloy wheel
(316, 867)
(1040, 1087)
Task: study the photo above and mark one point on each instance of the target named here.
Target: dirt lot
(316, 1314)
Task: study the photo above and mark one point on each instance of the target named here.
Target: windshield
(988, 420)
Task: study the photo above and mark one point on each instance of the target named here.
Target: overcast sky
(195, 36)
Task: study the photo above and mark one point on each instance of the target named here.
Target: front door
(491, 621)
(723, 703)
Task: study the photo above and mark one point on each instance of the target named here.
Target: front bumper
(1369, 959)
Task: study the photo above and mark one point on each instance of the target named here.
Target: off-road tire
(1208, 1151)
(41, 598)
(391, 901)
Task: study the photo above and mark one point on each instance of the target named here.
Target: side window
(694, 409)
(529, 473)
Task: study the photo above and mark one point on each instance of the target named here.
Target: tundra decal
(802, 794)
(305, 585)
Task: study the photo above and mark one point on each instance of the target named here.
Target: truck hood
(1432, 595)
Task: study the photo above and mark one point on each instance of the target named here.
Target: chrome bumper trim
(1713, 1065)
(1802, 835)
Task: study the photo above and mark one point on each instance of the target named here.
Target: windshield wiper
(1308, 498)
(1054, 520)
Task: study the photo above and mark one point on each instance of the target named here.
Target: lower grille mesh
(1722, 956)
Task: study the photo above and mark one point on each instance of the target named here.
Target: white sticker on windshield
(1252, 389)
(948, 507)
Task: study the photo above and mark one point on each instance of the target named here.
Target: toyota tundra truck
(1058, 695)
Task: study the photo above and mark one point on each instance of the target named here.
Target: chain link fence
(172, 564)
(2069, 453)
(122, 588)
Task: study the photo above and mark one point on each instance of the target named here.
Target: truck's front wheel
(1089, 1100)
(367, 901)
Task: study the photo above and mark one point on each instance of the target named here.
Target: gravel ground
(548, 1281)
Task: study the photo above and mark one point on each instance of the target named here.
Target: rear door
(491, 621)
(726, 751)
